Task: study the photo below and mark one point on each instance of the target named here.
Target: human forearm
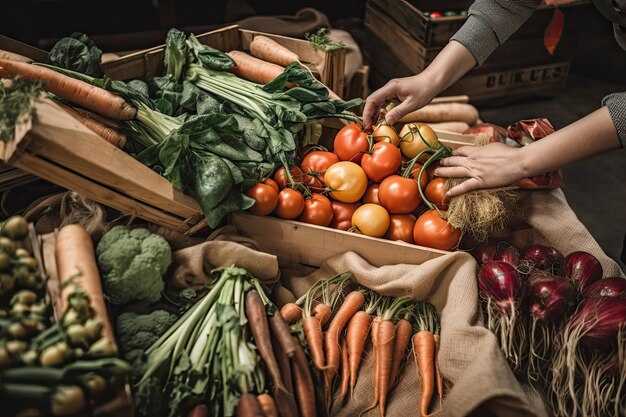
(448, 67)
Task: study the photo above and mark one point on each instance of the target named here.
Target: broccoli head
(140, 331)
(132, 263)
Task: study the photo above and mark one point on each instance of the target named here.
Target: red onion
(551, 297)
(582, 268)
(510, 255)
(500, 282)
(545, 258)
(607, 287)
(601, 319)
(484, 252)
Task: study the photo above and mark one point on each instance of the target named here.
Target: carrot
(199, 410)
(268, 406)
(345, 370)
(282, 333)
(91, 97)
(303, 383)
(284, 366)
(269, 50)
(375, 326)
(424, 352)
(114, 124)
(437, 340)
(257, 319)
(356, 336)
(75, 259)
(110, 135)
(12, 56)
(249, 406)
(315, 340)
(386, 338)
(443, 112)
(291, 312)
(322, 312)
(404, 330)
(253, 69)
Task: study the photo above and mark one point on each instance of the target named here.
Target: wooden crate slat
(312, 245)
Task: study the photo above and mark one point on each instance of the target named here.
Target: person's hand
(412, 93)
(489, 166)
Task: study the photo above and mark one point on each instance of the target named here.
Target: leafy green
(209, 57)
(320, 40)
(77, 53)
(175, 53)
(16, 106)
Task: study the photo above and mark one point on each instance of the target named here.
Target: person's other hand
(412, 93)
(490, 166)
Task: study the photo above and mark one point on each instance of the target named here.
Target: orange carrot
(404, 330)
(12, 56)
(322, 312)
(267, 405)
(356, 336)
(424, 351)
(110, 135)
(114, 124)
(315, 340)
(303, 383)
(282, 333)
(269, 50)
(437, 340)
(375, 326)
(386, 338)
(75, 258)
(345, 370)
(249, 406)
(291, 312)
(254, 69)
(91, 97)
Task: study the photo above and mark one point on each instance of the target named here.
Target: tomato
(312, 180)
(399, 195)
(317, 210)
(436, 193)
(371, 220)
(282, 180)
(271, 183)
(290, 204)
(265, 199)
(371, 194)
(384, 161)
(351, 143)
(342, 214)
(411, 142)
(318, 161)
(385, 133)
(433, 231)
(347, 181)
(415, 173)
(401, 227)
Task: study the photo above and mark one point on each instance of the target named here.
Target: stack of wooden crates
(402, 39)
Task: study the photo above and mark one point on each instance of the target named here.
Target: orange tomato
(415, 174)
(436, 193)
(385, 133)
(371, 220)
(434, 232)
(399, 195)
(415, 137)
(401, 227)
(347, 181)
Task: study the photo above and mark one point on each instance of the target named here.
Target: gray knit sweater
(492, 22)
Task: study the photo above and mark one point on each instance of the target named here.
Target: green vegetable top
(77, 53)
(132, 263)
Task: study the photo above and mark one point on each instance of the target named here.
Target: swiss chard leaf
(166, 88)
(175, 53)
(77, 53)
(295, 73)
(209, 57)
(199, 101)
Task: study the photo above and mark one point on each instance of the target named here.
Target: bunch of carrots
(350, 313)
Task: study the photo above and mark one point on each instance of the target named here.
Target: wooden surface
(312, 245)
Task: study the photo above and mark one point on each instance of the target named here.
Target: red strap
(554, 31)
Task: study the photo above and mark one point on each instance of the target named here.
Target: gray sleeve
(490, 23)
(616, 103)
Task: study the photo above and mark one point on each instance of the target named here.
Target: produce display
(560, 323)
(60, 367)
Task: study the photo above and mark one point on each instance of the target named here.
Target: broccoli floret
(140, 331)
(132, 263)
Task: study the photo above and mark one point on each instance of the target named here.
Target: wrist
(433, 82)
(524, 162)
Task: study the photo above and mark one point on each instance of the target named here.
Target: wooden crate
(149, 63)
(312, 245)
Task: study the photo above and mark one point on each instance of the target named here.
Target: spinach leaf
(234, 201)
(209, 57)
(175, 53)
(196, 100)
(166, 88)
(209, 181)
(77, 53)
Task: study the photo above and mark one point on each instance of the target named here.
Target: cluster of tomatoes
(378, 184)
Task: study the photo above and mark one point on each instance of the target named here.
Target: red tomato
(342, 217)
(385, 133)
(282, 180)
(425, 177)
(371, 220)
(384, 161)
(434, 232)
(436, 193)
(401, 227)
(312, 180)
(290, 204)
(318, 162)
(265, 199)
(317, 210)
(399, 195)
(351, 143)
(371, 194)
(271, 183)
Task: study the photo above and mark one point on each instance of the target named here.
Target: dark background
(595, 188)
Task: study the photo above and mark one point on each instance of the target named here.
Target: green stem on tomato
(439, 154)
